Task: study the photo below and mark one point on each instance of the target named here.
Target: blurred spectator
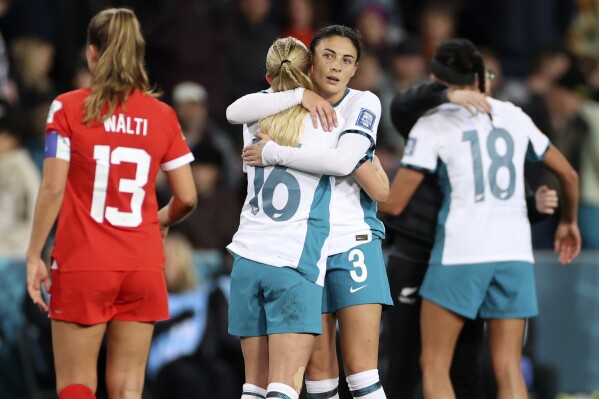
(372, 21)
(407, 65)
(244, 61)
(502, 87)
(589, 164)
(8, 89)
(190, 101)
(181, 335)
(549, 64)
(559, 115)
(192, 356)
(33, 57)
(583, 35)
(19, 183)
(371, 77)
(299, 20)
(437, 25)
(516, 28)
(216, 218)
(82, 77)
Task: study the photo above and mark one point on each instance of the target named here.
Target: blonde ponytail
(288, 63)
(120, 68)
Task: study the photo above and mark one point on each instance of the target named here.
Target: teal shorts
(495, 290)
(268, 300)
(356, 277)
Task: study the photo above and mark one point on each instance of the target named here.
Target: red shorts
(94, 297)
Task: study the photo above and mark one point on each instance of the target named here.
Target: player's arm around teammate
(107, 272)
(442, 318)
(335, 56)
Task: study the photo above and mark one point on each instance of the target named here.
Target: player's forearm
(175, 211)
(339, 161)
(47, 207)
(372, 181)
(253, 107)
(571, 191)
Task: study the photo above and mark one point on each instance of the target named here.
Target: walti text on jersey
(125, 124)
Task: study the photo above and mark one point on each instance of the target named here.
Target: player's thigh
(128, 346)
(255, 358)
(359, 328)
(357, 277)
(76, 349)
(323, 364)
(440, 329)
(506, 338)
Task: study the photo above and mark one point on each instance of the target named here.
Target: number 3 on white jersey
(104, 158)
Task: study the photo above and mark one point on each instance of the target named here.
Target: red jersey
(109, 215)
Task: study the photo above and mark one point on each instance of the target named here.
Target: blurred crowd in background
(204, 54)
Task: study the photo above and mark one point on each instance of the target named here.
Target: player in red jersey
(104, 146)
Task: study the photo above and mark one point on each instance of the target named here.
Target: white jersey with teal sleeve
(285, 220)
(353, 212)
(480, 165)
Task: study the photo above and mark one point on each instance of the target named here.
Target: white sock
(366, 385)
(323, 389)
(282, 391)
(251, 391)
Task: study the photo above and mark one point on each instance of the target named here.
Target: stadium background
(202, 54)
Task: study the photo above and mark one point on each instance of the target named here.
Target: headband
(450, 76)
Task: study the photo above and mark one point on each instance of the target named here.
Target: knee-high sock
(323, 389)
(282, 391)
(366, 385)
(251, 391)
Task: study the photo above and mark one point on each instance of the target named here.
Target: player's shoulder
(362, 97)
(499, 107)
(158, 107)
(73, 98)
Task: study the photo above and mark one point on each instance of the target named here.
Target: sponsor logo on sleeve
(366, 119)
(410, 145)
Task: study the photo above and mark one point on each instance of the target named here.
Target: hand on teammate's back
(474, 102)
(252, 154)
(320, 109)
(546, 200)
(567, 242)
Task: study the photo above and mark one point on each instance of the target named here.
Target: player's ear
(92, 54)
(268, 78)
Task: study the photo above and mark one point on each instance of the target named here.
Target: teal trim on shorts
(494, 290)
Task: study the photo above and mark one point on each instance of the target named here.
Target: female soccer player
(356, 282)
(284, 223)
(413, 239)
(104, 145)
(481, 262)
